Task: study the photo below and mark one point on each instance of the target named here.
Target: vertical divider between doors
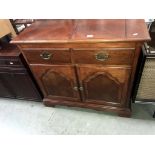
(79, 82)
(77, 76)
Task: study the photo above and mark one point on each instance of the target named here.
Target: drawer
(10, 62)
(55, 56)
(106, 57)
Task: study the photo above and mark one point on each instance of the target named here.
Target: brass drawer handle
(45, 55)
(101, 56)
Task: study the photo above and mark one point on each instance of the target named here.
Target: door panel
(104, 85)
(4, 86)
(56, 81)
(24, 88)
(16, 83)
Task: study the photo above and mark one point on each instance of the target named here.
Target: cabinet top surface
(84, 30)
(9, 50)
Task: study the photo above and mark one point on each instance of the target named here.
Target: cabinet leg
(154, 114)
(48, 103)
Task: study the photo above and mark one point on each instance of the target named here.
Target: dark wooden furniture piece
(84, 63)
(145, 81)
(144, 89)
(15, 79)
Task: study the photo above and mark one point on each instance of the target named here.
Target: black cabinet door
(17, 83)
(4, 90)
(23, 86)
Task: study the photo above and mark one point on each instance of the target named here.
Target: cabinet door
(5, 91)
(16, 83)
(104, 85)
(56, 81)
(23, 86)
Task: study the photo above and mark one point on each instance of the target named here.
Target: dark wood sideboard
(84, 63)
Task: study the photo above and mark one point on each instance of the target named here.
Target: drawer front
(106, 57)
(10, 62)
(48, 56)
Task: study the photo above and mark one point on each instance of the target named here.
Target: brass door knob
(75, 88)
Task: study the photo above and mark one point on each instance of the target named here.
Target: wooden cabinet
(84, 63)
(16, 83)
(15, 79)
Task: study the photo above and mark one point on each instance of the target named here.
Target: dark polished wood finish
(15, 80)
(84, 63)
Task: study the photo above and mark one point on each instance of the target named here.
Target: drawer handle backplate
(46, 55)
(101, 56)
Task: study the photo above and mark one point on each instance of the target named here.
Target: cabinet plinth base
(125, 114)
(122, 112)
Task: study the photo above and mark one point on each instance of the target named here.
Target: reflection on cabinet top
(82, 30)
